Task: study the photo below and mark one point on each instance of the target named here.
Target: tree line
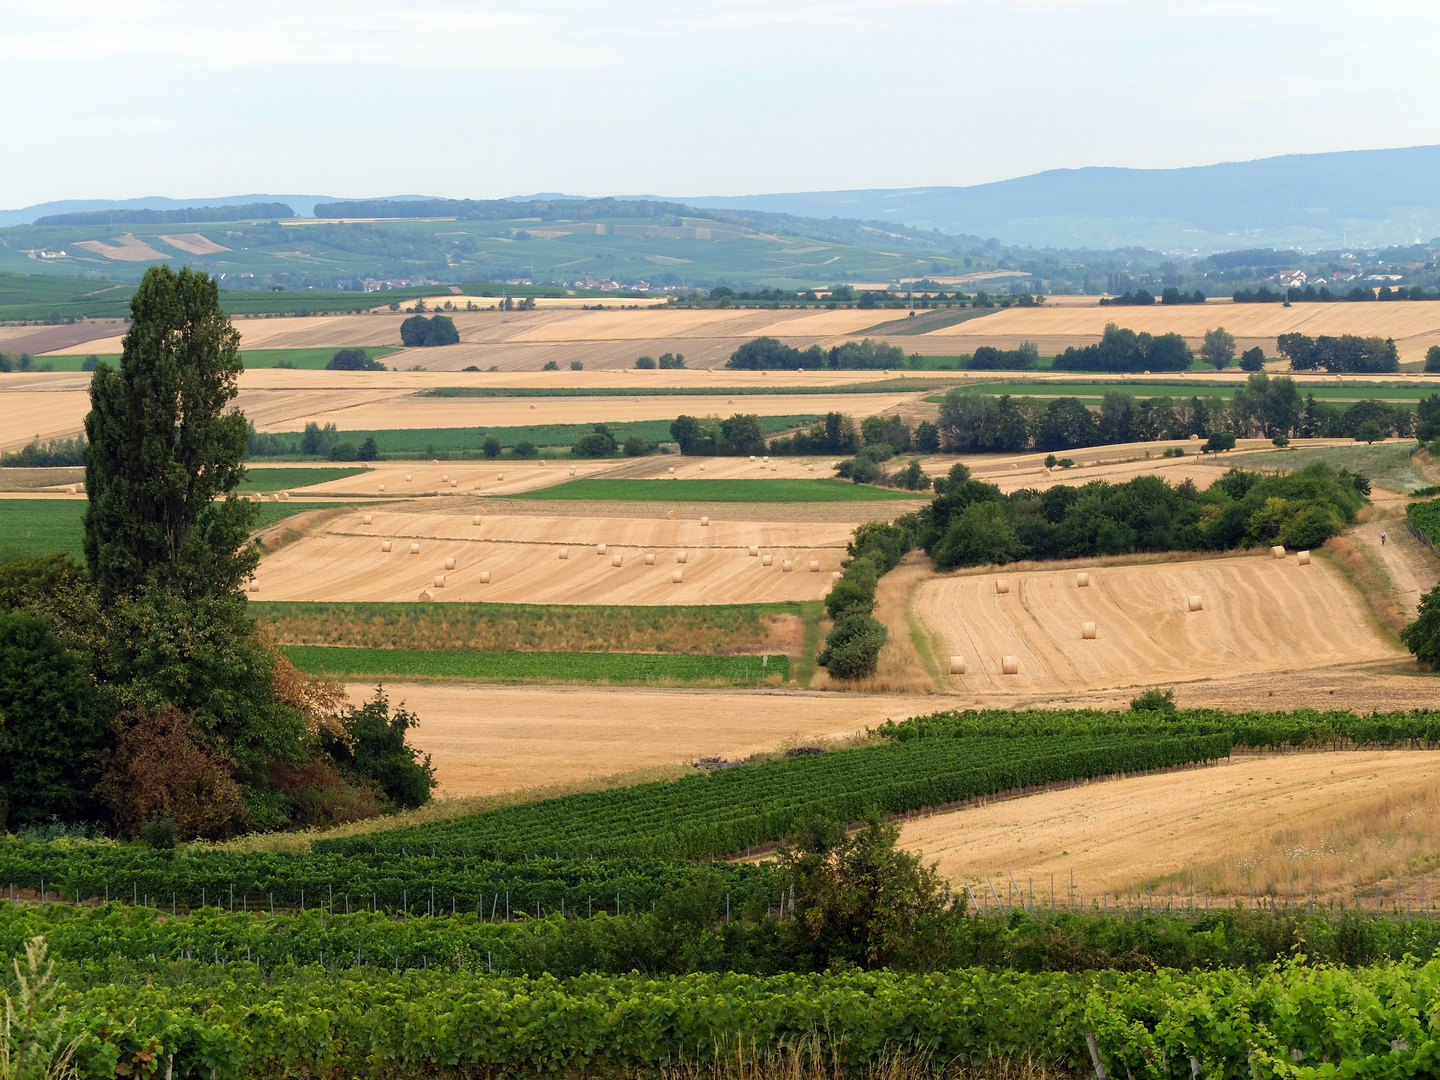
(136, 688)
(1311, 295)
(1347, 354)
(971, 523)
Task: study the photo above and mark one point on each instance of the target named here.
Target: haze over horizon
(486, 100)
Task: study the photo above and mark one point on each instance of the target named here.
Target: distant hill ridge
(190, 215)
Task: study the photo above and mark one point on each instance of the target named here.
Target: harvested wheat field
(412, 479)
(125, 248)
(1267, 819)
(1257, 614)
(487, 739)
(193, 243)
(344, 561)
(28, 414)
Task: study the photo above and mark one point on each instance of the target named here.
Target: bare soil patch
(125, 248)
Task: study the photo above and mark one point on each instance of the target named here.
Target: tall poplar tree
(163, 449)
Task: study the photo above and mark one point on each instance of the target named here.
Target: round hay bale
(435, 461)
(754, 550)
(1009, 665)
(786, 565)
(454, 483)
(427, 595)
(814, 566)
(672, 516)
(616, 560)
(366, 519)
(649, 558)
(836, 575)
(540, 464)
(484, 577)
(1303, 558)
(1082, 580)
(1087, 631)
(284, 496)
(499, 476)
(572, 470)
(702, 468)
(439, 581)
(766, 459)
(1277, 552)
(1194, 438)
(450, 562)
(407, 478)
(671, 470)
(1194, 603)
(1047, 470)
(682, 557)
(704, 521)
(475, 519)
(444, 476)
(752, 457)
(812, 468)
(384, 545)
(70, 489)
(565, 553)
(677, 576)
(599, 549)
(957, 665)
(254, 585)
(767, 560)
(382, 487)
(1014, 466)
(532, 406)
(1001, 586)
(414, 549)
(775, 467)
(80, 488)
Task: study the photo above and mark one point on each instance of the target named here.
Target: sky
(354, 98)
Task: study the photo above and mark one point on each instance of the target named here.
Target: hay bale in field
(1194, 603)
(767, 560)
(682, 557)
(384, 545)
(812, 468)
(671, 470)
(677, 576)
(565, 553)
(532, 406)
(1087, 631)
(427, 595)
(1014, 466)
(957, 665)
(836, 575)
(484, 577)
(775, 467)
(366, 519)
(786, 565)
(500, 476)
(284, 496)
(814, 566)
(444, 476)
(752, 457)
(254, 585)
(1277, 552)
(407, 478)
(450, 562)
(599, 549)
(572, 470)
(435, 461)
(704, 521)
(1303, 558)
(766, 459)
(649, 558)
(1001, 586)
(439, 581)
(475, 519)
(702, 468)
(616, 560)
(672, 516)
(70, 489)
(414, 549)
(540, 464)
(1009, 665)
(754, 550)
(1082, 580)
(382, 487)
(454, 483)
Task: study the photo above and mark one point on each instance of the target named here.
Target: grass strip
(284, 479)
(645, 669)
(722, 491)
(902, 384)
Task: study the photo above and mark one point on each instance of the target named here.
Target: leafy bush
(597, 444)
(852, 648)
(353, 360)
(645, 363)
(420, 332)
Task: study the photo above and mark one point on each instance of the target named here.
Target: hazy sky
(486, 99)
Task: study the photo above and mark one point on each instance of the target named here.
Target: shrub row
(852, 648)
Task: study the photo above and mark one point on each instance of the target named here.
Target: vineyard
(1425, 518)
(192, 1019)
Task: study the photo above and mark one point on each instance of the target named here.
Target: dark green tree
(164, 451)
(373, 749)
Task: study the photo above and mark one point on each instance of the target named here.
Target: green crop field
(36, 526)
(400, 442)
(720, 628)
(284, 479)
(723, 491)
(1094, 390)
(899, 383)
(645, 669)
